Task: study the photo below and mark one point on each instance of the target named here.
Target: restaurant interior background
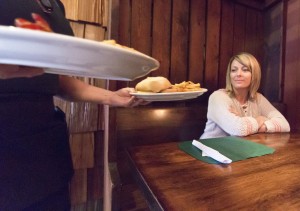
(192, 40)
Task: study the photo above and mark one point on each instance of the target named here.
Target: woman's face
(240, 76)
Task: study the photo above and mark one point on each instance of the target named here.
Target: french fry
(187, 86)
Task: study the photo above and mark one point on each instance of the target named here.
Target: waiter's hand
(15, 71)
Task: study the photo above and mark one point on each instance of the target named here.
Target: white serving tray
(67, 55)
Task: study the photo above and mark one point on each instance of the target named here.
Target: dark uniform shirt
(35, 157)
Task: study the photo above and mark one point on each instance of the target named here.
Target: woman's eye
(233, 70)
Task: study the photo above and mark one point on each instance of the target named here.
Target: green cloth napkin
(232, 147)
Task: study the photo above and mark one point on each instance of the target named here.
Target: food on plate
(185, 86)
(114, 43)
(161, 84)
(153, 84)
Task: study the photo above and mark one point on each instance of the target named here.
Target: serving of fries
(186, 86)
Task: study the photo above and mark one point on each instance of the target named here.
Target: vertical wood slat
(239, 29)
(93, 32)
(78, 187)
(124, 31)
(78, 28)
(212, 43)
(179, 41)
(259, 34)
(83, 117)
(162, 36)
(226, 40)
(105, 13)
(82, 149)
(71, 8)
(89, 11)
(125, 23)
(292, 61)
(197, 39)
(95, 183)
(141, 23)
(251, 31)
(141, 26)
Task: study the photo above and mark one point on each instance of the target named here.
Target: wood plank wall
(89, 20)
(192, 39)
(292, 64)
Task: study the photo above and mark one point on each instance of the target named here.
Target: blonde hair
(252, 64)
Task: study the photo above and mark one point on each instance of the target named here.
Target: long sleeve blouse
(223, 122)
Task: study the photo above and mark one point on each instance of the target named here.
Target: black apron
(35, 158)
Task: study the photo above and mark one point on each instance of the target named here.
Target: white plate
(67, 55)
(172, 96)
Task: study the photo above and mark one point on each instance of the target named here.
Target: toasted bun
(153, 84)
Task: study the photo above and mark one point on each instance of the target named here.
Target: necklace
(243, 108)
(45, 5)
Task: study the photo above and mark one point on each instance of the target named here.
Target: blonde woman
(239, 110)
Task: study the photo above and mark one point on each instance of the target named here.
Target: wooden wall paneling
(258, 4)
(212, 44)
(226, 40)
(125, 22)
(78, 187)
(105, 13)
(82, 149)
(239, 29)
(141, 22)
(89, 11)
(259, 51)
(179, 41)
(197, 39)
(141, 27)
(83, 117)
(124, 31)
(95, 183)
(71, 8)
(112, 155)
(250, 31)
(78, 28)
(99, 148)
(162, 36)
(94, 32)
(271, 61)
(292, 75)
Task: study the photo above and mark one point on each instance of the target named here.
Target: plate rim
(138, 93)
(34, 36)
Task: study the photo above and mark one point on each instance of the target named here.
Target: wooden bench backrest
(148, 125)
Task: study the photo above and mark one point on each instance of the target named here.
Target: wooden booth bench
(152, 125)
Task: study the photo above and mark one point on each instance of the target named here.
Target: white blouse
(222, 122)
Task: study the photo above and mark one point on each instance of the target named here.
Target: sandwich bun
(153, 84)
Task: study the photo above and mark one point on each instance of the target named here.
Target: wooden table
(173, 180)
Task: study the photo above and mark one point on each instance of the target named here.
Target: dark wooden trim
(256, 5)
(152, 201)
(283, 48)
(272, 4)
